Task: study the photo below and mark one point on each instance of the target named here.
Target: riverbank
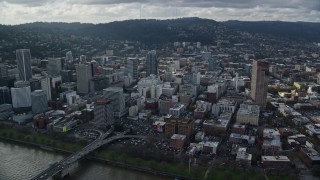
(118, 160)
(98, 159)
(113, 158)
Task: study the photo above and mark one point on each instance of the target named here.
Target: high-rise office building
(152, 63)
(84, 75)
(39, 101)
(118, 100)
(47, 87)
(259, 82)
(83, 59)
(66, 76)
(212, 64)
(132, 67)
(69, 57)
(24, 64)
(21, 97)
(103, 111)
(5, 95)
(54, 67)
(3, 71)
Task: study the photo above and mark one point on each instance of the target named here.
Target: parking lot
(88, 134)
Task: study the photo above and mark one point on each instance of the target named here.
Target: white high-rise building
(24, 64)
(21, 97)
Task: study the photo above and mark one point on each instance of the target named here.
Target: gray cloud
(308, 4)
(29, 3)
(100, 11)
(294, 4)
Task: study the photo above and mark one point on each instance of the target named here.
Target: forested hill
(55, 39)
(306, 31)
(148, 31)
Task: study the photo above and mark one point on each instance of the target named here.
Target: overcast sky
(101, 11)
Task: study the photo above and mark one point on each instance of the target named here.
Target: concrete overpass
(61, 169)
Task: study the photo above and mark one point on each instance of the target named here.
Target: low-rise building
(297, 139)
(145, 114)
(159, 126)
(165, 103)
(313, 129)
(184, 126)
(271, 140)
(312, 156)
(248, 114)
(276, 162)
(210, 147)
(177, 141)
(210, 126)
(238, 128)
(177, 110)
(201, 110)
(199, 136)
(223, 105)
(243, 157)
(240, 138)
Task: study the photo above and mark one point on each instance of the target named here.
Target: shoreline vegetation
(117, 159)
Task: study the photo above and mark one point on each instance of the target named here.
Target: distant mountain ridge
(55, 39)
(308, 31)
(158, 31)
(183, 29)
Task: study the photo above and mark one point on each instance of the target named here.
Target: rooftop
(275, 158)
(311, 153)
(178, 137)
(210, 144)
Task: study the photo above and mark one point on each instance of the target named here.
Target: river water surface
(19, 162)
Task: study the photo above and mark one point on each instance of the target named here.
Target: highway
(67, 162)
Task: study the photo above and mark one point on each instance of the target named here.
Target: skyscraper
(83, 59)
(54, 66)
(84, 75)
(103, 111)
(39, 101)
(47, 87)
(118, 100)
(69, 56)
(3, 71)
(24, 64)
(5, 95)
(259, 82)
(21, 97)
(152, 63)
(212, 64)
(132, 67)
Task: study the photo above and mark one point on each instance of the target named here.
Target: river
(20, 163)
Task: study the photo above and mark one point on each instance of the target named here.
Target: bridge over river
(61, 168)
